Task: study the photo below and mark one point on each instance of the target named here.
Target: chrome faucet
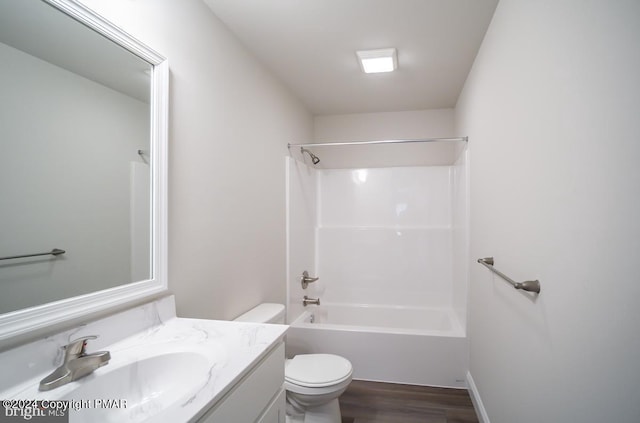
(306, 301)
(77, 363)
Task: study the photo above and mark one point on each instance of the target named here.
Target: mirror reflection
(74, 168)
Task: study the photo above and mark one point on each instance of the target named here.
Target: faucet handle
(76, 348)
(305, 279)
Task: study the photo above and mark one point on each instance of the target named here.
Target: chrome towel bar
(530, 286)
(54, 252)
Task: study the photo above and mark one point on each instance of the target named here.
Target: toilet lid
(317, 370)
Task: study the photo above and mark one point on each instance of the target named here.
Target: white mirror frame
(23, 321)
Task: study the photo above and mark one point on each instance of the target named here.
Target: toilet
(313, 382)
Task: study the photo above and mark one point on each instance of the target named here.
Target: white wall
(384, 125)
(230, 122)
(67, 146)
(412, 124)
(552, 113)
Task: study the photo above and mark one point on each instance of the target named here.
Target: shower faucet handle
(305, 279)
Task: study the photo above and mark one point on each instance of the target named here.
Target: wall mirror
(83, 131)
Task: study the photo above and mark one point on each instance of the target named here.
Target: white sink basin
(163, 369)
(133, 392)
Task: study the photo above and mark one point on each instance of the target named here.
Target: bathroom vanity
(162, 369)
(258, 397)
(159, 368)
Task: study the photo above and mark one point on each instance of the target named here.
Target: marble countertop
(223, 352)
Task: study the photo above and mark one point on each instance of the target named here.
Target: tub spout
(306, 301)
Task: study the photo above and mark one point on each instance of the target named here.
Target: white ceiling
(310, 45)
(43, 31)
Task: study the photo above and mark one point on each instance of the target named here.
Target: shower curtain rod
(327, 144)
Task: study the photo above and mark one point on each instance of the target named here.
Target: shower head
(314, 158)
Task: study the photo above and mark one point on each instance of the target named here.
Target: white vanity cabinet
(258, 397)
(168, 369)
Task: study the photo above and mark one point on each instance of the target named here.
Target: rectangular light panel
(375, 61)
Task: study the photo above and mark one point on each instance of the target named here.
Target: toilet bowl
(313, 382)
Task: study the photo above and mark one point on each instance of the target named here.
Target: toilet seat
(317, 370)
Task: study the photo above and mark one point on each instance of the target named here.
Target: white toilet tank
(263, 313)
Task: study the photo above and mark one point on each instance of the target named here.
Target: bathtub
(411, 345)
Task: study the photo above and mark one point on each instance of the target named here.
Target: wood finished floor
(376, 402)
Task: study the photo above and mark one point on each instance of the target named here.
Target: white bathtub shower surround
(385, 197)
(398, 267)
(207, 357)
(384, 235)
(391, 251)
(460, 236)
(301, 197)
(394, 319)
(421, 346)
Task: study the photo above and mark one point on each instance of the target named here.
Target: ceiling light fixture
(375, 61)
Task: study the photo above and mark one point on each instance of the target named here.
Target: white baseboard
(476, 400)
